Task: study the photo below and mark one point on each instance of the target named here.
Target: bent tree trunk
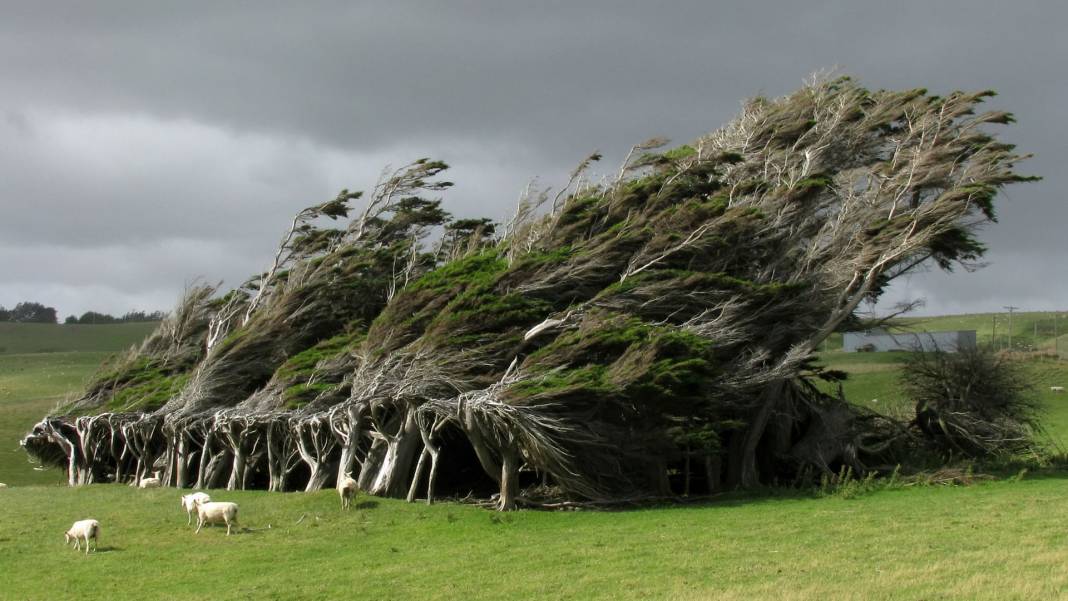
(509, 479)
(397, 459)
(206, 456)
(315, 442)
(346, 422)
(431, 451)
(770, 397)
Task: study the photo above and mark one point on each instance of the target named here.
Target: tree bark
(750, 475)
(509, 479)
(420, 467)
(713, 469)
(399, 458)
(205, 458)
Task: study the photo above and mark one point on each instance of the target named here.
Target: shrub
(972, 402)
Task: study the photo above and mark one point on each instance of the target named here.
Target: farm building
(879, 340)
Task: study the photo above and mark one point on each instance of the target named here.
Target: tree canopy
(651, 333)
(29, 312)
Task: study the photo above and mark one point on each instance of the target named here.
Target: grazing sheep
(216, 512)
(346, 489)
(83, 530)
(2, 485)
(1057, 388)
(190, 502)
(153, 482)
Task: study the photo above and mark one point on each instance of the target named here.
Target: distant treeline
(92, 317)
(30, 312)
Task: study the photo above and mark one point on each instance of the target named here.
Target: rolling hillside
(22, 338)
(41, 365)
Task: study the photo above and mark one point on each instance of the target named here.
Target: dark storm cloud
(145, 145)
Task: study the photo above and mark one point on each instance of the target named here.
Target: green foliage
(298, 395)
(972, 402)
(150, 389)
(681, 152)
(657, 373)
(478, 312)
(138, 384)
(302, 365)
(536, 259)
(475, 270)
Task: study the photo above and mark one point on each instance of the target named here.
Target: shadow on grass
(365, 504)
(101, 549)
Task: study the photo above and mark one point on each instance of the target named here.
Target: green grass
(1002, 540)
(874, 382)
(30, 386)
(1031, 331)
(42, 365)
(21, 338)
(996, 540)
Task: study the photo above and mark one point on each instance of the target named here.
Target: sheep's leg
(86, 544)
(200, 524)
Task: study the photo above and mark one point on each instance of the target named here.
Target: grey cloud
(129, 125)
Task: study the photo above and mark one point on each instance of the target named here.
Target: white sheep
(346, 489)
(2, 485)
(153, 482)
(83, 530)
(190, 502)
(216, 512)
(1056, 388)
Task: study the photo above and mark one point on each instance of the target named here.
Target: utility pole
(994, 334)
(1056, 346)
(1010, 308)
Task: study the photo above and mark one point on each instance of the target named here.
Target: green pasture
(992, 540)
(998, 540)
(21, 338)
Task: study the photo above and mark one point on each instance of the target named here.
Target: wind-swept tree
(651, 334)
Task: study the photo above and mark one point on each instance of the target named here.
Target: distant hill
(1031, 331)
(23, 338)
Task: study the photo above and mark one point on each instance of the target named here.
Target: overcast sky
(143, 147)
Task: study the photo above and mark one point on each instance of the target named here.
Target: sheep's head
(66, 537)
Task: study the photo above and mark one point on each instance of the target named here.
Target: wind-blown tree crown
(639, 336)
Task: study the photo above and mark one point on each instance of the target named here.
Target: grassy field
(22, 338)
(994, 540)
(874, 383)
(42, 365)
(31, 385)
(990, 541)
(1031, 331)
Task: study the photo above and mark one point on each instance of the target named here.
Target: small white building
(879, 340)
